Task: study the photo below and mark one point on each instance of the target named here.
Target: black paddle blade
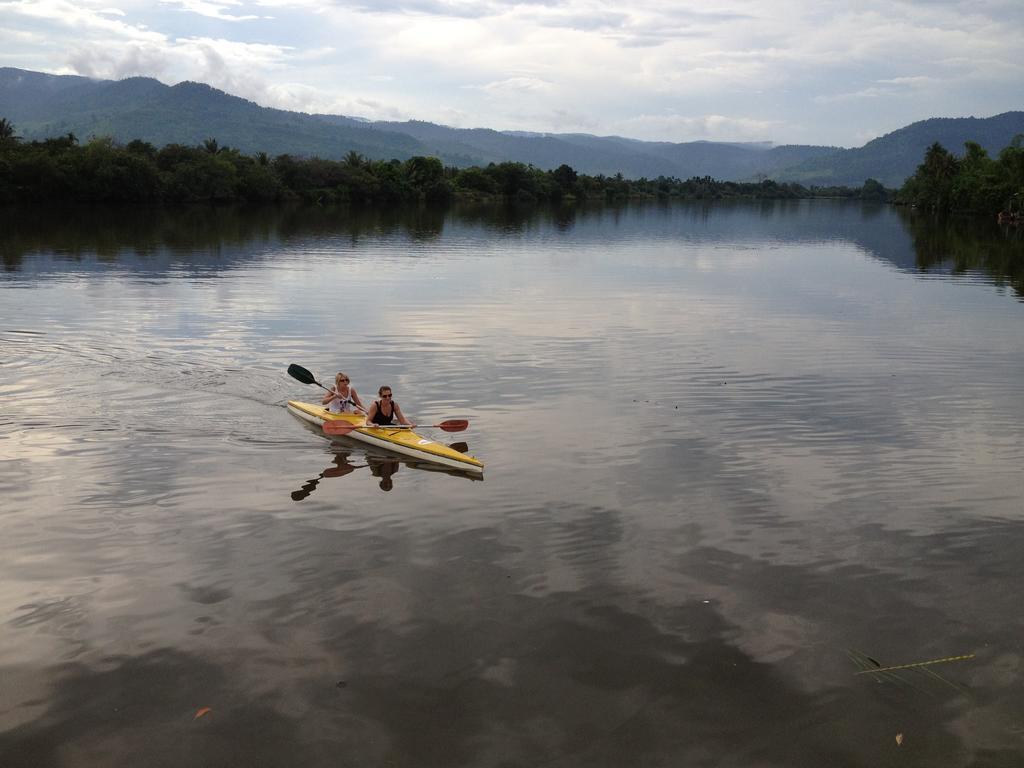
(301, 374)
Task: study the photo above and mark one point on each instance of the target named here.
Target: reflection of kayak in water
(384, 469)
(402, 441)
(340, 468)
(381, 466)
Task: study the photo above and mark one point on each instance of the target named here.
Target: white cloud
(684, 128)
(66, 16)
(918, 80)
(515, 85)
(301, 98)
(795, 69)
(238, 68)
(103, 62)
(897, 87)
(213, 10)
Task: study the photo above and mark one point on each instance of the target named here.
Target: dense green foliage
(973, 183)
(101, 170)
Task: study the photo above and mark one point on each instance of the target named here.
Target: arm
(356, 400)
(401, 417)
(331, 395)
(371, 413)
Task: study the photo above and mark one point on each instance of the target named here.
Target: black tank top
(380, 418)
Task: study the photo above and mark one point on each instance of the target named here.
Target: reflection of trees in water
(112, 234)
(229, 235)
(221, 238)
(225, 236)
(968, 244)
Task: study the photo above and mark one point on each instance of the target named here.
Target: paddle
(339, 427)
(301, 374)
(342, 427)
(450, 425)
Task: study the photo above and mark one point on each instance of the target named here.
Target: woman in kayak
(343, 398)
(386, 410)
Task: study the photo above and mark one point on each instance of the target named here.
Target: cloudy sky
(835, 72)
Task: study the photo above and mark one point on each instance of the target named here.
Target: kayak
(398, 440)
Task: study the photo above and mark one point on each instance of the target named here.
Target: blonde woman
(343, 398)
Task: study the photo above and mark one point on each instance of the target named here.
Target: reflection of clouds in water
(591, 621)
(702, 486)
(444, 654)
(716, 260)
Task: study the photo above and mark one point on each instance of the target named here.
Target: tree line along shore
(64, 169)
(972, 183)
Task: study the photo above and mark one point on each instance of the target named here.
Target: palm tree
(6, 131)
(936, 173)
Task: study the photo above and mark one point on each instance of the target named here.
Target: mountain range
(42, 105)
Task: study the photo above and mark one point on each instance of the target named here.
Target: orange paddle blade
(339, 427)
(453, 425)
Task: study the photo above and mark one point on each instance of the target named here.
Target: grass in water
(903, 674)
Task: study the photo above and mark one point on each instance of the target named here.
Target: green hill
(41, 106)
(892, 158)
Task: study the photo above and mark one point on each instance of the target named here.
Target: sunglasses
(345, 380)
(385, 396)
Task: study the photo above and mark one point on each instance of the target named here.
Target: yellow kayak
(403, 441)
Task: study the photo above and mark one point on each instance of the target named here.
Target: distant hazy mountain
(41, 105)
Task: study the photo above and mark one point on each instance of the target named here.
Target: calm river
(737, 457)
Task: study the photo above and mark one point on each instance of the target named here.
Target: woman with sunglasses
(384, 411)
(343, 398)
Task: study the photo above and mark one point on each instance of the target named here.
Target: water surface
(732, 451)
